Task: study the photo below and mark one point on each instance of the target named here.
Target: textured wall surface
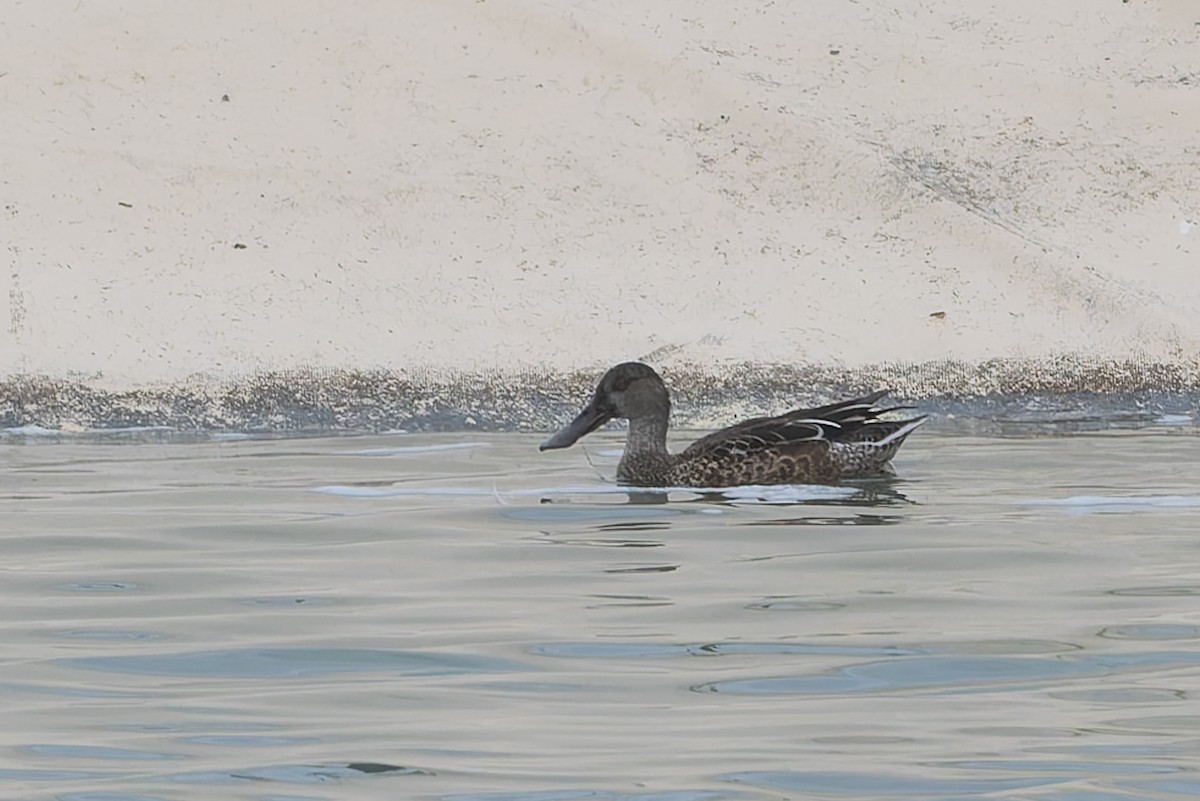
(208, 197)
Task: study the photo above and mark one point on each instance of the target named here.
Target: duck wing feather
(835, 422)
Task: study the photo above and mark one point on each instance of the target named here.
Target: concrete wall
(209, 190)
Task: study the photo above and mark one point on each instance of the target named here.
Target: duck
(822, 445)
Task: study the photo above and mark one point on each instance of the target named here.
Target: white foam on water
(1084, 504)
(32, 431)
(360, 492)
(405, 450)
(473, 492)
(1174, 420)
(786, 493)
(39, 431)
(127, 430)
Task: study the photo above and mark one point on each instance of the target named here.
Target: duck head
(631, 391)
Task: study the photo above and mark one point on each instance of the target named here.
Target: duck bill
(586, 422)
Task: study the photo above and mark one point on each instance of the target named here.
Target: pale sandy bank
(219, 188)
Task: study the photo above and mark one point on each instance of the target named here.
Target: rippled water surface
(465, 619)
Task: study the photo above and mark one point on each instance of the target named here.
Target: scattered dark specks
(224, 98)
(123, 204)
(835, 52)
(937, 315)
(238, 246)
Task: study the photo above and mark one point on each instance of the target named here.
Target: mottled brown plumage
(821, 445)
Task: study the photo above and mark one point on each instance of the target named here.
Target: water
(462, 618)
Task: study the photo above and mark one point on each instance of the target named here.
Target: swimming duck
(821, 445)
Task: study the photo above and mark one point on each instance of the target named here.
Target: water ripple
(1151, 631)
(407, 450)
(1091, 504)
(101, 796)
(292, 662)
(95, 752)
(296, 774)
(882, 785)
(1045, 766)
(643, 650)
(596, 795)
(945, 673)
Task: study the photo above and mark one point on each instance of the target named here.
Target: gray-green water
(454, 618)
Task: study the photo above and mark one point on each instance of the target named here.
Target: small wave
(352, 491)
(781, 494)
(787, 493)
(126, 430)
(32, 431)
(1084, 504)
(406, 450)
(75, 431)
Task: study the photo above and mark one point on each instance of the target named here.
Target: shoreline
(1053, 389)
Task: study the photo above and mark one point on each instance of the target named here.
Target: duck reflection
(865, 493)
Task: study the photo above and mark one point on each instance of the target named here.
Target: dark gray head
(630, 391)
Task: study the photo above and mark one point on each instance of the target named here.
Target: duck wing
(834, 422)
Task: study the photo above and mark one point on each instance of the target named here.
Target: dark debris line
(1056, 390)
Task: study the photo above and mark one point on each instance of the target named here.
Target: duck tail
(905, 428)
